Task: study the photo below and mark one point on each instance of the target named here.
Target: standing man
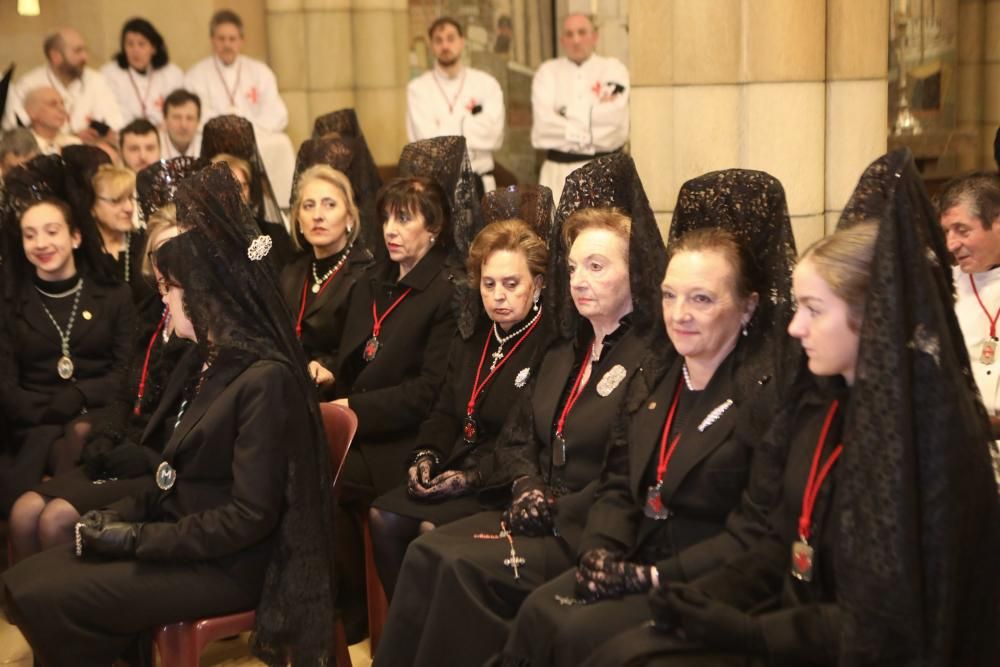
(230, 83)
(89, 102)
(181, 118)
(579, 104)
(140, 144)
(452, 99)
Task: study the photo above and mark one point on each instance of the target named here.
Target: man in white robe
(230, 83)
(181, 120)
(46, 120)
(91, 107)
(452, 99)
(579, 104)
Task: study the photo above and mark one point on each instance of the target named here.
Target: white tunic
(141, 95)
(87, 98)
(976, 329)
(438, 105)
(54, 147)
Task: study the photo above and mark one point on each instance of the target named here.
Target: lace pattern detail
(156, 185)
(530, 203)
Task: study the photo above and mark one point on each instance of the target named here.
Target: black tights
(391, 534)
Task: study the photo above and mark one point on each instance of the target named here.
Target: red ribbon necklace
(236, 85)
(654, 508)
(994, 318)
(373, 344)
(470, 429)
(453, 101)
(803, 555)
(302, 299)
(559, 453)
(135, 88)
(145, 364)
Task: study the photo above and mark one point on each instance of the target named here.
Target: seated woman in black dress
(882, 544)
(64, 349)
(113, 464)
(486, 375)
(240, 517)
(456, 593)
(317, 286)
(676, 494)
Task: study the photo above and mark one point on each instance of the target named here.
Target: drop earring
(745, 332)
(534, 307)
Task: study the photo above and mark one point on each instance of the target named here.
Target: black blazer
(587, 429)
(714, 513)
(100, 347)
(230, 457)
(395, 392)
(324, 317)
(801, 620)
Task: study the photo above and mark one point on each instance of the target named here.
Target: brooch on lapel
(521, 378)
(715, 414)
(611, 380)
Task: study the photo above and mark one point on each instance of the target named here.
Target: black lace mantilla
(529, 203)
(156, 185)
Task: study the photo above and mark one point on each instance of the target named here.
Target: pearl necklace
(687, 377)
(319, 280)
(128, 256)
(501, 341)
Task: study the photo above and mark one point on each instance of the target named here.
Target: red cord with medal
(145, 364)
(373, 344)
(317, 289)
(804, 555)
(470, 427)
(988, 354)
(559, 442)
(654, 508)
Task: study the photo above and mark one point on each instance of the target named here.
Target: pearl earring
(745, 332)
(349, 229)
(535, 306)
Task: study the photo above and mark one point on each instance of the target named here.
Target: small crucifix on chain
(514, 562)
(497, 356)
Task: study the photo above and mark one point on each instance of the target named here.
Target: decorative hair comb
(259, 248)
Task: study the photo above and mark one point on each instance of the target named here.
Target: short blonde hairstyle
(116, 181)
(327, 174)
(161, 220)
(235, 163)
(844, 261)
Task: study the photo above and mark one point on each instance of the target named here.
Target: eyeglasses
(117, 201)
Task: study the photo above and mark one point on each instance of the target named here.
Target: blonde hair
(235, 163)
(327, 174)
(118, 181)
(844, 261)
(510, 235)
(161, 220)
(611, 219)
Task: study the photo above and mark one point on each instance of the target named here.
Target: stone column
(753, 84)
(971, 38)
(991, 76)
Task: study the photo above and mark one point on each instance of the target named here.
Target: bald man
(579, 104)
(88, 100)
(47, 116)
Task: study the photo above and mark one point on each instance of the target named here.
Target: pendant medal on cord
(373, 345)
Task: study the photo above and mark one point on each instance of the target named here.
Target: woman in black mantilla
(64, 349)
(690, 430)
(326, 224)
(881, 548)
(113, 463)
(234, 137)
(487, 372)
(456, 593)
(241, 518)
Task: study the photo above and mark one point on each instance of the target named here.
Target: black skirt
(85, 494)
(438, 512)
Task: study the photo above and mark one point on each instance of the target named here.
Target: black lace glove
(127, 460)
(93, 458)
(712, 623)
(420, 473)
(603, 574)
(532, 508)
(103, 533)
(449, 484)
(65, 404)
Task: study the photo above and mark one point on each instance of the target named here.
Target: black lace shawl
(240, 301)
(917, 503)
(342, 121)
(446, 161)
(751, 205)
(609, 181)
(156, 185)
(529, 203)
(234, 135)
(82, 162)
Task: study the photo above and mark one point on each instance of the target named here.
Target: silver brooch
(611, 380)
(165, 476)
(715, 414)
(259, 248)
(521, 378)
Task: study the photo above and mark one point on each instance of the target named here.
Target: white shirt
(168, 150)
(976, 329)
(141, 95)
(246, 88)
(438, 106)
(593, 98)
(87, 98)
(55, 146)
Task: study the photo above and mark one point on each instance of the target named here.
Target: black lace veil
(342, 121)
(156, 185)
(234, 135)
(751, 205)
(446, 161)
(917, 503)
(530, 203)
(609, 181)
(238, 298)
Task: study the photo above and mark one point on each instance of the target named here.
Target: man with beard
(91, 106)
(228, 82)
(452, 99)
(140, 144)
